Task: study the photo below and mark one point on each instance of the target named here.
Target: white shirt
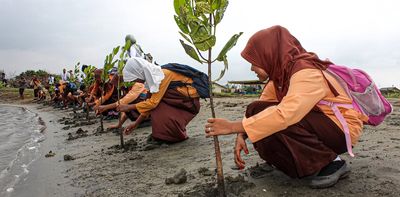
(64, 76)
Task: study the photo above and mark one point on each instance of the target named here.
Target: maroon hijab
(281, 55)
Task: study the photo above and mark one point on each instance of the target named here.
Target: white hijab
(139, 68)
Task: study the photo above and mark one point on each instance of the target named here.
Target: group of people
(286, 125)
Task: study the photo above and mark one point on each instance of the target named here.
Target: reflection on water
(20, 137)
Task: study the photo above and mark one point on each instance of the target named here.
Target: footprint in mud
(259, 171)
(205, 172)
(230, 104)
(234, 186)
(66, 128)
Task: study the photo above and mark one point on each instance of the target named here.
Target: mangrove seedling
(197, 21)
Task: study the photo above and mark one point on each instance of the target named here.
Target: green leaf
(190, 51)
(181, 25)
(203, 7)
(220, 11)
(223, 70)
(204, 43)
(127, 46)
(228, 46)
(216, 4)
(185, 37)
(201, 35)
(115, 50)
(113, 64)
(128, 83)
(178, 4)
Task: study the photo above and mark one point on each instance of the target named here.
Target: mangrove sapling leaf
(178, 4)
(228, 46)
(223, 70)
(219, 13)
(186, 37)
(190, 51)
(203, 7)
(216, 4)
(182, 26)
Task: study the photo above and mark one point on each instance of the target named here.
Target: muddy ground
(99, 168)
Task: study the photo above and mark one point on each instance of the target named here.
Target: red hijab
(281, 55)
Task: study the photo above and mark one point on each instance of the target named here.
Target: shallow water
(20, 137)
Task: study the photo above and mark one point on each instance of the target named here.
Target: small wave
(18, 166)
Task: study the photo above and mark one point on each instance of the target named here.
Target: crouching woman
(287, 126)
(170, 108)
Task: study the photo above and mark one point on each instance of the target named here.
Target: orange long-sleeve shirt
(146, 106)
(307, 88)
(133, 93)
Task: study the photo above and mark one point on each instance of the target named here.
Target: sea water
(20, 138)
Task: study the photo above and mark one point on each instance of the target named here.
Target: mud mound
(234, 186)
(80, 133)
(129, 145)
(178, 178)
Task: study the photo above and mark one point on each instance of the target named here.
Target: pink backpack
(367, 99)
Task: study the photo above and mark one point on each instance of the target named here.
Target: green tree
(197, 21)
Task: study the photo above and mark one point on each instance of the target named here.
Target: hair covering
(139, 68)
(281, 55)
(113, 71)
(97, 73)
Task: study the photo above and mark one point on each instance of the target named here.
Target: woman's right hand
(239, 146)
(128, 130)
(100, 108)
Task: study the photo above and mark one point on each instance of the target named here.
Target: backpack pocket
(369, 101)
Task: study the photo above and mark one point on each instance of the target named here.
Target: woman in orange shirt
(170, 108)
(287, 126)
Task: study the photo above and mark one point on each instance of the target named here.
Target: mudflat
(96, 166)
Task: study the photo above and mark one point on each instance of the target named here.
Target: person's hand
(128, 130)
(239, 146)
(99, 109)
(123, 108)
(218, 126)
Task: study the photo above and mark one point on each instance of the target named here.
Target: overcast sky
(53, 34)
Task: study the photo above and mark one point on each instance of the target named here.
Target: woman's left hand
(218, 126)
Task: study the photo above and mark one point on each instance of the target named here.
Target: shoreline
(101, 170)
(44, 176)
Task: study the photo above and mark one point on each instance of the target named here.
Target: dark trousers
(301, 149)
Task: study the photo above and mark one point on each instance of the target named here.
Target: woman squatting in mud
(287, 126)
(137, 93)
(109, 95)
(170, 109)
